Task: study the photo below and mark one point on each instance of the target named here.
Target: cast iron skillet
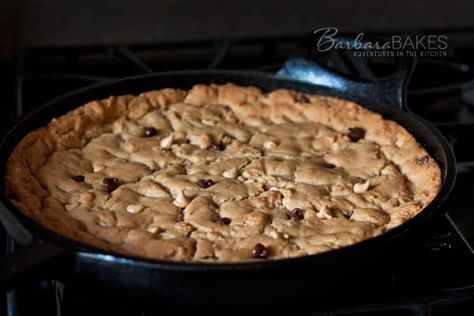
(320, 279)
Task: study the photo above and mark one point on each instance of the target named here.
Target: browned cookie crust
(221, 173)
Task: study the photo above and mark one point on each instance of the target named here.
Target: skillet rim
(86, 252)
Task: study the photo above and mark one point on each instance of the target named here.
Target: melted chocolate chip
(347, 214)
(217, 146)
(259, 252)
(296, 214)
(149, 131)
(328, 165)
(110, 184)
(423, 160)
(356, 133)
(301, 98)
(223, 221)
(205, 183)
(78, 178)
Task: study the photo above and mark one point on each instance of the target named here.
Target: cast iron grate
(435, 281)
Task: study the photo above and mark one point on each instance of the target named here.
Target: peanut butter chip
(202, 140)
(208, 122)
(205, 140)
(325, 213)
(153, 229)
(167, 141)
(133, 209)
(181, 200)
(269, 144)
(361, 187)
(231, 173)
(274, 234)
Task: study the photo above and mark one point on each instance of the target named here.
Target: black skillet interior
(178, 282)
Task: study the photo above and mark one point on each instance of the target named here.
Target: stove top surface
(437, 279)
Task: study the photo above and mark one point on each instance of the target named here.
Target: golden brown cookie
(221, 173)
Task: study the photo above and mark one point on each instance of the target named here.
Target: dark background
(51, 47)
(84, 22)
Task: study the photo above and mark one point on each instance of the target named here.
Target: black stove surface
(436, 279)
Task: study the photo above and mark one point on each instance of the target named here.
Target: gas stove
(437, 279)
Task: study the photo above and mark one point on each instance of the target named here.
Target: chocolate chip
(205, 183)
(217, 146)
(423, 160)
(301, 98)
(347, 214)
(223, 221)
(328, 165)
(78, 178)
(259, 252)
(110, 184)
(149, 131)
(296, 214)
(356, 133)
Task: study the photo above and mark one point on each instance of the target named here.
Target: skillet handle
(36, 261)
(14, 227)
(388, 91)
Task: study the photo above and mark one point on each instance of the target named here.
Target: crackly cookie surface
(221, 173)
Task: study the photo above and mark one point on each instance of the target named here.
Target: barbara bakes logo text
(396, 46)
